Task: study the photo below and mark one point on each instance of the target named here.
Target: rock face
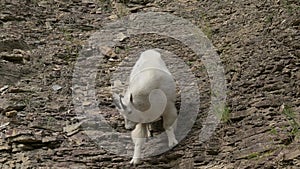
(258, 43)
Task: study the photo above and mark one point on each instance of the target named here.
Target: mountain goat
(151, 94)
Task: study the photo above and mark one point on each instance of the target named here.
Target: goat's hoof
(135, 161)
(173, 143)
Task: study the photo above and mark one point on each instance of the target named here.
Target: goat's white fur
(149, 74)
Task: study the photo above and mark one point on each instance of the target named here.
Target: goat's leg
(169, 123)
(171, 136)
(138, 136)
(149, 130)
(138, 144)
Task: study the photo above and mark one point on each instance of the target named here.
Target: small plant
(117, 50)
(257, 155)
(253, 155)
(51, 121)
(190, 63)
(273, 131)
(105, 5)
(205, 26)
(127, 49)
(121, 9)
(207, 31)
(225, 115)
(269, 19)
(291, 117)
(290, 6)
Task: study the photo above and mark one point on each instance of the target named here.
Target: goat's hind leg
(169, 124)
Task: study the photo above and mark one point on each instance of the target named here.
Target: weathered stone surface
(7, 45)
(12, 113)
(107, 51)
(5, 147)
(72, 129)
(292, 154)
(258, 43)
(4, 126)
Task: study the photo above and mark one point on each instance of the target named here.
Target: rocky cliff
(258, 44)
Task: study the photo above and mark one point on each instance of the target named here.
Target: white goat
(151, 94)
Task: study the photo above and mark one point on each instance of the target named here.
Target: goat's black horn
(122, 105)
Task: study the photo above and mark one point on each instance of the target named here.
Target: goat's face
(123, 105)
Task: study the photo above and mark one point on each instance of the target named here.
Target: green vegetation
(207, 31)
(226, 115)
(273, 131)
(290, 6)
(190, 63)
(291, 117)
(253, 155)
(121, 9)
(269, 19)
(51, 121)
(105, 5)
(260, 154)
(205, 25)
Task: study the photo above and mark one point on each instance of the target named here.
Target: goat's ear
(131, 99)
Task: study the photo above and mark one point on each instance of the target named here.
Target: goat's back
(150, 72)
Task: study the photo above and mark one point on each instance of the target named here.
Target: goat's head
(124, 108)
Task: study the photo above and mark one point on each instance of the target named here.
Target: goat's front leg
(138, 144)
(138, 135)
